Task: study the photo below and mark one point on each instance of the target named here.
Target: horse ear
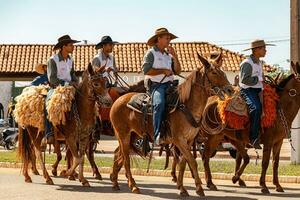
(293, 67)
(297, 68)
(277, 78)
(203, 61)
(90, 69)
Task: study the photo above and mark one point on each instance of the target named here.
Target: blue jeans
(48, 125)
(251, 96)
(158, 95)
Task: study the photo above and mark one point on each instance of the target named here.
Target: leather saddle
(142, 102)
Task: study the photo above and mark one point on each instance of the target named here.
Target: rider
(42, 78)
(160, 64)
(106, 59)
(61, 71)
(252, 88)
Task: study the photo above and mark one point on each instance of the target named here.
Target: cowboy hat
(63, 40)
(105, 40)
(39, 68)
(258, 43)
(159, 32)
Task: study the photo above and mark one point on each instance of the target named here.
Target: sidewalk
(107, 145)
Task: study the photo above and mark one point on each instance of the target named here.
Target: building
(17, 62)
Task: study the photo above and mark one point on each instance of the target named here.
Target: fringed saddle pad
(142, 101)
(234, 110)
(29, 109)
(59, 104)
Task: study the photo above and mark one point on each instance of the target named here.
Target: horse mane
(184, 89)
(283, 83)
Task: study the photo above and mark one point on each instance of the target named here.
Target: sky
(232, 24)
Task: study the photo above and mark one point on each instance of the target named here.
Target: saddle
(142, 102)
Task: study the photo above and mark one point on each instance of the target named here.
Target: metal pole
(295, 55)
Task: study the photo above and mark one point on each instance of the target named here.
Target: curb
(167, 173)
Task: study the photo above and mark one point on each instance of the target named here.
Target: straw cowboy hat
(39, 68)
(105, 40)
(63, 40)
(159, 32)
(258, 43)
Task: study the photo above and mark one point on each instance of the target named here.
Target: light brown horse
(272, 138)
(193, 93)
(92, 89)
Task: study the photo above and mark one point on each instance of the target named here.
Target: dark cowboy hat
(258, 43)
(159, 32)
(105, 40)
(63, 40)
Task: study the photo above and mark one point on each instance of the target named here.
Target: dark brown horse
(92, 89)
(193, 94)
(272, 138)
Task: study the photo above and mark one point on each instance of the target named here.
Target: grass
(285, 168)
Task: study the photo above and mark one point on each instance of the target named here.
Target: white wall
(295, 155)
(5, 94)
(131, 78)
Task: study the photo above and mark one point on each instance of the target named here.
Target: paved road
(12, 186)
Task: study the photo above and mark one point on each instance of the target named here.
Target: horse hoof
(49, 182)
(201, 193)
(174, 180)
(86, 184)
(72, 178)
(116, 188)
(279, 189)
(136, 190)
(242, 183)
(35, 172)
(63, 173)
(265, 191)
(212, 187)
(75, 174)
(54, 172)
(28, 180)
(184, 194)
(99, 177)
(235, 179)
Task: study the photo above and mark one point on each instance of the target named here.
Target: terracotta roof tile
(22, 58)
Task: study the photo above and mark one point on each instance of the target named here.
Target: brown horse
(92, 89)
(193, 93)
(272, 138)
(138, 87)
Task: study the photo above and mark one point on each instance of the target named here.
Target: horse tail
(25, 147)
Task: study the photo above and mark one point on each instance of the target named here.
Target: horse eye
(96, 84)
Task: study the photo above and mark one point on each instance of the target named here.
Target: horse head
(97, 85)
(215, 79)
(291, 84)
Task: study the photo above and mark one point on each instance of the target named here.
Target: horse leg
(276, 153)
(118, 163)
(81, 178)
(209, 147)
(125, 147)
(182, 165)
(242, 153)
(184, 148)
(33, 165)
(58, 158)
(265, 164)
(75, 158)
(39, 155)
(91, 158)
(176, 154)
